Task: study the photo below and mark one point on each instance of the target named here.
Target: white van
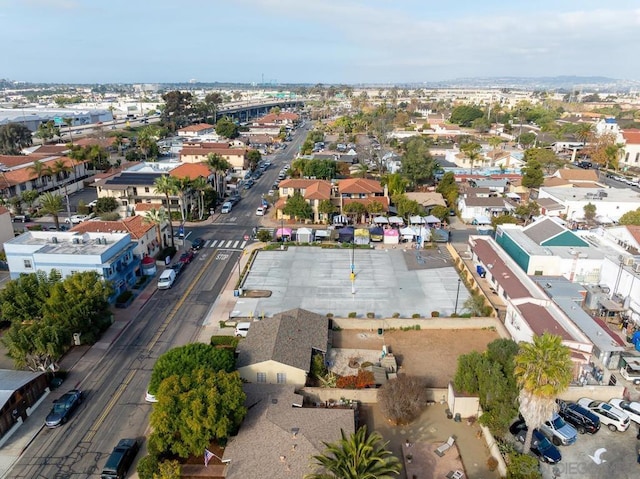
(242, 329)
(226, 207)
(166, 279)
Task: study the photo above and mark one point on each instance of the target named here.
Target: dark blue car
(63, 408)
(540, 445)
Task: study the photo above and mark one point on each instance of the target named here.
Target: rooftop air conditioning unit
(637, 268)
(54, 239)
(628, 261)
(75, 240)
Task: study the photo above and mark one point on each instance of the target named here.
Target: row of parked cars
(622, 179)
(584, 416)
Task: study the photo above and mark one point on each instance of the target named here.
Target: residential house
(20, 393)
(237, 157)
(279, 436)
(494, 185)
(627, 236)
(284, 118)
(611, 203)
(631, 153)
(314, 192)
(149, 241)
(578, 177)
(194, 131)
(111, 255)
(472, 206)
(364, 191)
(548, 207)
(428, 199)
(279, 350)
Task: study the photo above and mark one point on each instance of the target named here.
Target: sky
(315, 41)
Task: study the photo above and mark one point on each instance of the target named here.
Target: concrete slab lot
(387, 281)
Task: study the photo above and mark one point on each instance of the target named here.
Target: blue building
(111, 255)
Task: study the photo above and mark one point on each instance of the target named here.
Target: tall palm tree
(199, 185)
(183, 186)
(39, 169)
(584, 132)
(51, 204)
(156, 217)
(69, 123)
(362, 171)
(218, 165)
(543, 370)
(472, 152)
(59, 170)
(166, 185)
(359, 456)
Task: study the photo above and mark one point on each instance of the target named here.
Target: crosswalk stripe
(235, 245)
(213, 244)
(228, 243)
(206, 244)
(244, 243)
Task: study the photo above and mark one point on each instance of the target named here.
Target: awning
(380, 220)
(416, 220)
(396, 220)
(322, 234)
(283, 232)
(610, 305)
(481, 220)
(432, 219)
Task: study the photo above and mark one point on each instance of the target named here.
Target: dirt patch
(431, 354)
(256, 293)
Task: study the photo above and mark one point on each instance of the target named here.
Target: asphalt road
(114, 407)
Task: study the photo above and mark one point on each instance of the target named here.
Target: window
(146, 189)
(27, 264)
(261, 377)
(281, 378)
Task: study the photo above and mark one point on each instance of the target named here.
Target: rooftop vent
(54, 239)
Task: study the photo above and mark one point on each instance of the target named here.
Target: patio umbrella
(380, 220)
(283, 232)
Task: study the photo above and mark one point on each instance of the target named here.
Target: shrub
(416, 315)
(353, 314)
(523, 466)
(395, 315)
(371, 315)
(224, 341)
(318, 368)
(435, 314)
(346, 382)
(148, 467)
(363, 379)
(402, 399)
(223, 324)
(169, 251)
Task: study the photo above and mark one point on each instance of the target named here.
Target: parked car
(614, 418)
(177, 267)
(76, 219)
(63, 408)
(187, 257)
(260, 211)
(21, 218)
(540, 445)
(558, 431)
(582, 419)
(120, 459)
(197, 243)
(630, 408)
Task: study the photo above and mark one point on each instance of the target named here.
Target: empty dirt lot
(431, 354)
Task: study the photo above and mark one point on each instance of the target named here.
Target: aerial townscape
(415, 254)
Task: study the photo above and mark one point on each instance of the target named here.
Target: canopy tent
(376, 233)
(431, 220)
(345, 235)
(380, 220)
(304, 235)
(391, 236)
(396, 220)
(416, 220)
(283, 232)
(322, 234)
(340, 220)
(361, 236)
(408, 233)
(481, 220)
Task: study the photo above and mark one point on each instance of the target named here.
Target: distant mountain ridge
(565, 83)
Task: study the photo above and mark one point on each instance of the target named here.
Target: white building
(611, 203)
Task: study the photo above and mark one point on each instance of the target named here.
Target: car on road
(271, 192)
(558, 431)
(92, 204)
(76, 219)
(187, 257)
(614, 418)
(21, 218)
(260, 211)
(197, 243)
(120, 460)
(63, 408)
(177, 267)
(630, 408)
(226, 207)
(540, 445)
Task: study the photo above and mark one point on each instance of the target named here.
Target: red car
(187, 257)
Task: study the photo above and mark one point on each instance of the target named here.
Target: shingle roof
(549, 204)
(513, 287)
(11, 380)
(359, 185)
(287, 338)
(577, 174)
(541, 321)
(191, 171)
(198, 127)
(276, 440)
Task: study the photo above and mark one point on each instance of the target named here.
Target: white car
(93, 204)
(614, 418)
(630, 408)
(150, 397)
(76, 219)
(260, 211)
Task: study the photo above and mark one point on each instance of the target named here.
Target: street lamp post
(455, 310)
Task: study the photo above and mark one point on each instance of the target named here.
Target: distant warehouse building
(33, 117)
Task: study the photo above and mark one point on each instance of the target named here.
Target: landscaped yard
(430, 353)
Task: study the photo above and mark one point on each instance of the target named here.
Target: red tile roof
(102, 142)
(191, 171)
(577, 174)
(631, 136)
(22, 175)
(206, 151)
(313, 189)
(359, 186)
(196, 128)
(140, 207)
(500, 271)
(634, 231)
(50, 150)
(134, 225)
(541, 321)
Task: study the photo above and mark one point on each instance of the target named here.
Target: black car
(197, 243)
(120, 459)
(63, 408)
(177, 267)
(540, 445)
(582, 419)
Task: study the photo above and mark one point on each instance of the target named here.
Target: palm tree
(362, 170)
(69, 122)
(51, 204)
(165, 185)
(199, 185)
(183, 186)
(218, 165)
(472, 152)
(584, 132)
(156, 217)
(59, 170)
(543, 370)
(39, 169)
(356, 457)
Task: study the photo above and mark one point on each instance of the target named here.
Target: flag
(207, 457)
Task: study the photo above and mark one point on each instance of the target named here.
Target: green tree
(29, 197)
(226, 128)
(168, 470)
(464, 115)
(321, 169)
(355, 210)
(543, 370)
(219, 166)
(157, 217)
(254, 158)
(212, 102)
(297, 207)
(528, 210)
(165, 185)
(40, 170)
(546, 158)
(147, 141)
(584, 132)
(417, 163)
(589, 211)
(630, 218)
(195, 408)
(532, 175)
(407, 207)
(527, 139)
(326, 209)
(522, 466)
(472, 151)
(51, 204)
(503, 219)
(177, 107)
(395, 183)
(13, 138)
(106, 205)
(185, 359)
(440, 212)
(47, 131)
(359, 456)
(264, 236)
(448, 188)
